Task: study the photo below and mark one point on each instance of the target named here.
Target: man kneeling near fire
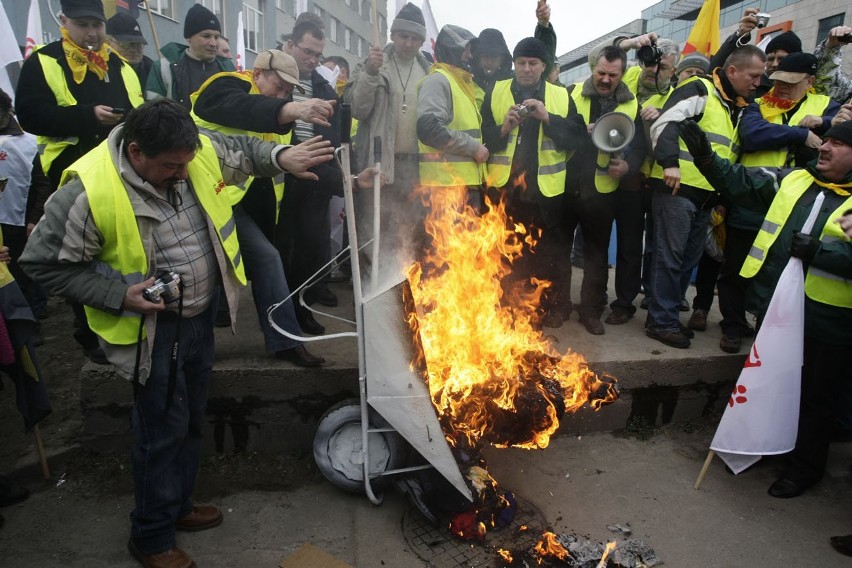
(150, 201)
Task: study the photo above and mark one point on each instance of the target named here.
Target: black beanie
(410, 19)
(199, 19)
(841, 131)
(531, 47)
(788, 41)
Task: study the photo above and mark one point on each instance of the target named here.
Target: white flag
(431, 28)
(34, 34)
(9, 51)
(762, 416)
(399, 5)
(301, 6)
(241, 43)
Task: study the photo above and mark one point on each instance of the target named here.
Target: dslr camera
(762, 19)
(167, 287)
(649, 55)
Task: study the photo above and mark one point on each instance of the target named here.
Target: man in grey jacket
(150, 201)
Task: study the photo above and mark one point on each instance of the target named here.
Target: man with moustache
(183, 68)
(682, 198)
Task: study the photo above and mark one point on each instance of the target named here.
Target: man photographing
(149, 200)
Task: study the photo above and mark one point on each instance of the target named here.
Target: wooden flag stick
(704, 469)
(153, 30)
(45, 470)
(375, 19)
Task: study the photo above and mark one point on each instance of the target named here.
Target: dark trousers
(595, 214)
(705, 282)
(303, 234)
(167, 431)
(631, 207)
(15, 237)
(826, 372)
(732, 287)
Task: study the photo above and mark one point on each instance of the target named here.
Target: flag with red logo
(704, 36)
(34, 32)
(431, 28)
(762, 414)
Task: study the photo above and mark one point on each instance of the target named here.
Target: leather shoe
(730, 343)
(786, 488)
(675, 339)
(300, 356)
(202, 517)
(593, 325)
(172, 558)
(842, 544)
(11, 494)
(618, 317)
(321, 295)
(698, 321)
(688, 333)
(307, 322)
(552, 318)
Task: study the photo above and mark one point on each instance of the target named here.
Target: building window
(162, 7)
(317, 10)
(383, 25)
(347, 39)
(333, 25)
(366, 12)
(826, 24)
(253, 33)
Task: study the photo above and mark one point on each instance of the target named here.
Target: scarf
(772, 105)
(81, 60)
(841, 189)
(462, 77)
(720, 86)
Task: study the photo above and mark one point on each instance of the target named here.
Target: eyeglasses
(310, 52)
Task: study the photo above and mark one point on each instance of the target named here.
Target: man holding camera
(149, 201)
(530, 143)
(594, 174)
(682, 198)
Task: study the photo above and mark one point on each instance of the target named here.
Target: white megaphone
(613, 132)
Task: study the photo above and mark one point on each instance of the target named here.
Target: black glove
(804, 246)
(697, 143)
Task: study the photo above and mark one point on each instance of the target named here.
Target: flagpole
(45, 470)
(375, 18)
(704, 469)
(153, 30)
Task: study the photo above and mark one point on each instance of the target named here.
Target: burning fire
(549, 546)
(492, 375)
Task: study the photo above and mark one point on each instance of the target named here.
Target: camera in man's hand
(523, 111)
(649, 55)
(845, 38)
(167, 287)
(762, 19)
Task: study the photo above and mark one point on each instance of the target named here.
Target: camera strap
(173, 365)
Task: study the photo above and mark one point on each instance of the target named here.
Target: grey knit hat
(410, 19)
(693, 59)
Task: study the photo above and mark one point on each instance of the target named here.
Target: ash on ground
(584, 553)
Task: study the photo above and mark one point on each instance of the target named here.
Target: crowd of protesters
(153, 187)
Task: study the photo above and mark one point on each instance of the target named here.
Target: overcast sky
(576, 22)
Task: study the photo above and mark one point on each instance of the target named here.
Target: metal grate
(438, 548)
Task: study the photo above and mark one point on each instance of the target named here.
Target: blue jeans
(167, 437)
(268, 283)
(680, 231)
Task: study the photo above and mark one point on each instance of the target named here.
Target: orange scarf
(81, 60)
(739, 101)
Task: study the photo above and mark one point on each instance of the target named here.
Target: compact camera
(649, 55)
(846, 38)
(523, 111)
(167, 287)
(762, 19)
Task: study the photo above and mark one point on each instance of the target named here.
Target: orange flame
(492, 375)
(610, 546)
(505, 555)
(549, 546)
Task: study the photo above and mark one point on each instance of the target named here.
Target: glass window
(333, 25)
(347, 39)
(826, 24)
(217, 7)
(253, 32)
(163, 7)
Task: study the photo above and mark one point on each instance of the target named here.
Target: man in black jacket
(304, 233)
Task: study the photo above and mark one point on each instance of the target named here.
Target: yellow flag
(704, 37)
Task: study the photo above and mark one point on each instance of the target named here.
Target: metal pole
(377, 217)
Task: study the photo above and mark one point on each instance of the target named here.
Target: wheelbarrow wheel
(338, 448)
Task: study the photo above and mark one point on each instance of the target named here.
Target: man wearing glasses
(303, 235)
(125, 37)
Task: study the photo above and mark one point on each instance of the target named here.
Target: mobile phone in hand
(117, 110)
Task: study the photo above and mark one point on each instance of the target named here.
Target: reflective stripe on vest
(604, 182)
(821, 286)
(122, 255)
(50, 147)
(813, 104)
(236, 193)
(715, 120)
(551, 162)
(441, 169)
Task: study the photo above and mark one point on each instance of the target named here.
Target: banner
(704, 37)
(35, 36)
(431, 28)
(301, 6)
(240, 61)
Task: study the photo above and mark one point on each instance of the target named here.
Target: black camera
(649, 55)
(167, 287)
(845, 38)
